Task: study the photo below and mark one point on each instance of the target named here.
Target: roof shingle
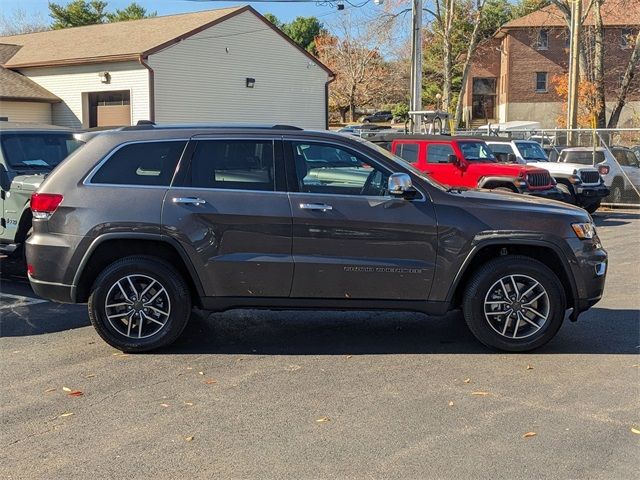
(15, 86)
(614, 13)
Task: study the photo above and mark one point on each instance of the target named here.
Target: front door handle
(188, 201)
(321, 207)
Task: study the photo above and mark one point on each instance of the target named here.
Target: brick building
(511, 76)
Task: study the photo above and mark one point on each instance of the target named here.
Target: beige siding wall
(202, 78)
(31, 112)
(70, 82)
(548, 113)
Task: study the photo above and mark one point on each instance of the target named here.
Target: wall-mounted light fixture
(105, 77)
(250, 82)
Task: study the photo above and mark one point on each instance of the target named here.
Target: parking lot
(256, 394)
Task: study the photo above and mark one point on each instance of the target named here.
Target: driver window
(324, 168)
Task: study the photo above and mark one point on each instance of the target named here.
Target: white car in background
(622, 169)
(581, 184)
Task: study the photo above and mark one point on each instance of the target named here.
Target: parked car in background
(468, 162)
(28, 153)
(636, 150)
(251, 217)
(553, 151)
(622, 177)
(381, 116)
(582, 185)
(364, 131)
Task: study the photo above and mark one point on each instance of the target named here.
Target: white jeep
(582, 184)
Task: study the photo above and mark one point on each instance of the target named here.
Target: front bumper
(589, 271)
(552, 193)
(586, 195)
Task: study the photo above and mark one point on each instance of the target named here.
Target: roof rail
(147, 124)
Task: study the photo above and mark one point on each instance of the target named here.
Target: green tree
(273, 19)
(303, 31)
(77, 13)
(134, 11)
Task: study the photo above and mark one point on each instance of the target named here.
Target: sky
(285, 11)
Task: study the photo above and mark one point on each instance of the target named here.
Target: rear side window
(232, 164)
(439, 153)
(501, 148)
(408, 152)
(147, 163)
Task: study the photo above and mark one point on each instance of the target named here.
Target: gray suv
(144, 223)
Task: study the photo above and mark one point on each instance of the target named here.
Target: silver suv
(147, 222)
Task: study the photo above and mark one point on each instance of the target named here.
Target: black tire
(592, 207)
(482, 281)
(176, 301)
(569, 196)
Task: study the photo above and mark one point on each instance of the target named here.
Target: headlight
(584, 231)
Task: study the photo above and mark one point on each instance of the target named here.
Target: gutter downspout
(152, 92)
(326, 101)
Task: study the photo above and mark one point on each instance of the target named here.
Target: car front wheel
(514, 303)
(139, 303)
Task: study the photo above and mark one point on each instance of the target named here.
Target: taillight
(44, 204)
(603, 169)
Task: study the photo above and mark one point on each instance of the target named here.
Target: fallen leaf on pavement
(451, 404)
(165, 405)
(467, 380)
(188, 403)
(635, 430)
(349, 356)
(188, 439)
(68, 414)
(480, 394)
(66, 389)
(75, 393)
(189, 368)
(91, 375)
(322, 419)
(50, 390)
(200, 373)
(120, 354)
(529, 367)
(210, 381)
(529, 434)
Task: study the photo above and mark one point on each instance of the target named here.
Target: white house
(229, 65)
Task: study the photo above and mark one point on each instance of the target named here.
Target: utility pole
(574, 69)
(416, 63)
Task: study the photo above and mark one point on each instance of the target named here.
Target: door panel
(237, 233)
(361, 243)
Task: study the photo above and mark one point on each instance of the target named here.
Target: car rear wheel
(514, 303)
(617, 191)
(139, 303)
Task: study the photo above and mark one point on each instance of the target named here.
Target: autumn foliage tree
(587, 100)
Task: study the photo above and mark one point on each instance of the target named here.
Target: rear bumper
(57, 292)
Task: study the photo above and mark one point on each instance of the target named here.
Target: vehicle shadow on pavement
(614, 219)
(250, 332)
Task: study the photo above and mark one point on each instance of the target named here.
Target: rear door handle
(321, 207)
(188, 201)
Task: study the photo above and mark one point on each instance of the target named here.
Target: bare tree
(18, 22)
(471, 48)
(629, 74)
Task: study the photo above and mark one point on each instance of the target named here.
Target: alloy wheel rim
(516, 306)
(137, 306)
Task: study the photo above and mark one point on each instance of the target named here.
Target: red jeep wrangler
(467, 162)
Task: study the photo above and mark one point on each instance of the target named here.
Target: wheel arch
(545, 252)
(495, 182)
(107, 248)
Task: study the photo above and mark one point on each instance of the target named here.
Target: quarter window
(439, 153)
(626, 38)
(408, 152)
(147, 163)
(232, 164)
(541, 82)
(322, 168)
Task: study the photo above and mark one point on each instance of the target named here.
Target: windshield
(477, 152)
(403, 163)
(37, 151)
(531, 151)
(583, 157)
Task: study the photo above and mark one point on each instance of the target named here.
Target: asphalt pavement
(310, 395)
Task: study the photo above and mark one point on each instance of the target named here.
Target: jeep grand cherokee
(145, 223)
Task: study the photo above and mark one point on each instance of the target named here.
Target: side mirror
(400, 185)
(511, 158)
(453, 158)
(5, 181)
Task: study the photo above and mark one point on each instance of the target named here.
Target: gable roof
(14, 86)
(614, 13)
(120, 41)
